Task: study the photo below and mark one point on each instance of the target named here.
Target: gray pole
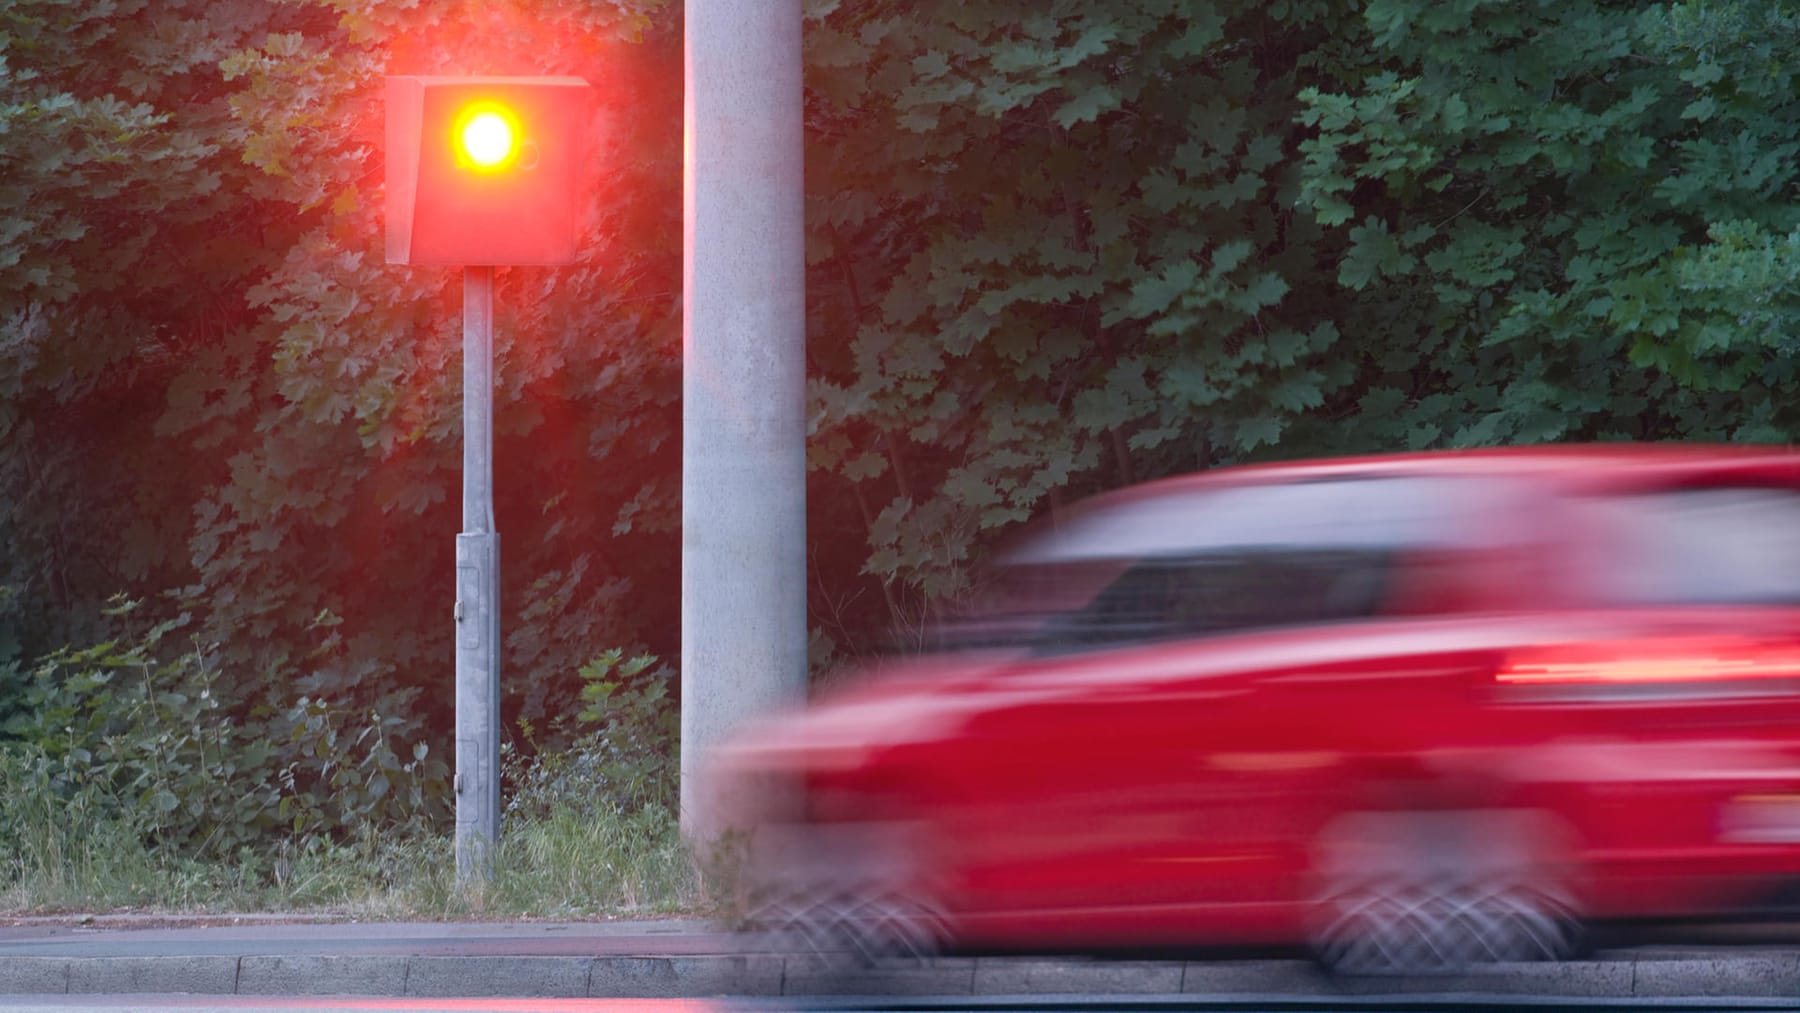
(743, 476)
(477, 595)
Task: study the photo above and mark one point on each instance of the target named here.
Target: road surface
(995, 1004)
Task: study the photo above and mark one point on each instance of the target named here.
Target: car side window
(1226, 592)
(1215, 560)
(1715, 545)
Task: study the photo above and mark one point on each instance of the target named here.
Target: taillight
(1653, 661)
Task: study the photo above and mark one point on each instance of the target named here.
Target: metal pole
(743, 495)
(477, 596)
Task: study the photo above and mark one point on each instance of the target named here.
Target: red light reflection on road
(421, 1004)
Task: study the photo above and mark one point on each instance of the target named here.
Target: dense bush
(136, 735)
(621, 752)
(139, 731)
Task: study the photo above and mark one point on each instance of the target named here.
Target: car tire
(1436, 892)
(860, 928)
(845, 894)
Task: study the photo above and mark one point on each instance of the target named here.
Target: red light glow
(1651, 663)
(486, 137)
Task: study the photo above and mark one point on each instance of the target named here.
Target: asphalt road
(996, 1004)
(290, 1004)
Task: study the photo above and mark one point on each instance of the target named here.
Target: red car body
(1222, 704)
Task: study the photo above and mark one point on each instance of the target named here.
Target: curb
(1759, 975)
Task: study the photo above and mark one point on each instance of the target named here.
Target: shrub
(145, 741)
(623, 750)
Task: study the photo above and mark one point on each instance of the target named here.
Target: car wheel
(861, 927)
(845, 893)
(1433, 893)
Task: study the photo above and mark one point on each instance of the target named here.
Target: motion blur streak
(1415, 711)
(423, 1005)
(1659, 661)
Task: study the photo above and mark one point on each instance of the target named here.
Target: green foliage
(354, 419)
(73, 851)
(575, 862)
(1053, 250)
(1090, 244)
(128, 230)
(139, 732)
(62, 839)
(78, 847)
(622, 754)
(214, 393)
(353, 771)
(129, 784)
(1571, 219)
(147, 743)
(211, 383)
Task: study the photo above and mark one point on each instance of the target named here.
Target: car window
(1736, 545)
(1216, 561)
(1325, 514)
(1227, 591)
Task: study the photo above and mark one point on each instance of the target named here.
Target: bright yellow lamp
(486, 137)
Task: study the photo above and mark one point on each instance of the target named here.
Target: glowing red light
(486, 137)
(1657, 661)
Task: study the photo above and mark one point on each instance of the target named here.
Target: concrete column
(743, 557)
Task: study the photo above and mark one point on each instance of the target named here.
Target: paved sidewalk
(253, 955)
(253, 935)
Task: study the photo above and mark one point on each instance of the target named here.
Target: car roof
(1329, 503)
(1586, 465)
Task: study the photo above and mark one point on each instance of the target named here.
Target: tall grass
(79, 844)
(63, 850)
(570, 865)
(133, 798)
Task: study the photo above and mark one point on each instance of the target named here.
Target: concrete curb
(1756, 975)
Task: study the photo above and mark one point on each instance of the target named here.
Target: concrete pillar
(743, 481)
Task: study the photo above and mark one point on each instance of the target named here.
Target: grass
(562, 864)
(587, 831)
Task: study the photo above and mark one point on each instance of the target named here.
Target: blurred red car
(1415, 711)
